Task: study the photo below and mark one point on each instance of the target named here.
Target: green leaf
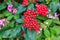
(55, 37)
(8, 1)
(5, 28)
(53, 31)
(7, 13)
(2, 6)
(57, 29)
(1, 39)
(10, 33)
(31, 6)
(16, 16)
(42, 25)
(46, 32)
(48, 22)
(48, 38)
(39, 36)
(5, 34)
(19, 20)
(41, 17)
(1, 16)
(30, 35)
(54, 5)
(56, 1)
(43, 1)
(47, 1)
(56, 22)
(9, 17)
(20, 9)
(58, 38)
(11, 24)
(15, 5)
(15, 31)
(59, 5)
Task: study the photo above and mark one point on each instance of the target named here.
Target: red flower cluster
(30, 13)
(30, 22)
(25, 2)
(42, 9)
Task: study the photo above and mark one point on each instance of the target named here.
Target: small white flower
(39, 31)
(40, 28)
(54, 17)
(49, 10)
(49, 16)
(0, 27)
(46, 22)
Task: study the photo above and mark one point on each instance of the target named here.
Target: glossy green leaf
(55, 38)
(8, 1)
(1, 39)
(5, 34)
(48, 38)
(19, 20)
(11, 24)
(20, 9)
(48, 22)
(15, 31)
(43, 1)
(56, 22)
(47, 1)
(5, 28)
(39, 36)
(57, 29)
(56, 1)
(1, 15)
(16, 16)
(53, 31)
(46, 33)
(41, 17)
(2, 6)
(43, 25)
(30, 35)
(7, 13)
(54, 5)
(31, 6)
(9, 17)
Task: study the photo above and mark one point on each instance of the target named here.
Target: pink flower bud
(2, 22)
(14, 10)
(9, 8)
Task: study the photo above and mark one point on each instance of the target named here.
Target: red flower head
(30, 13)
(30, 22)
(42, 9)
(32, 25)
(25, 2)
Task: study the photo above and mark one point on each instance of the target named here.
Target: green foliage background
(13, 30)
